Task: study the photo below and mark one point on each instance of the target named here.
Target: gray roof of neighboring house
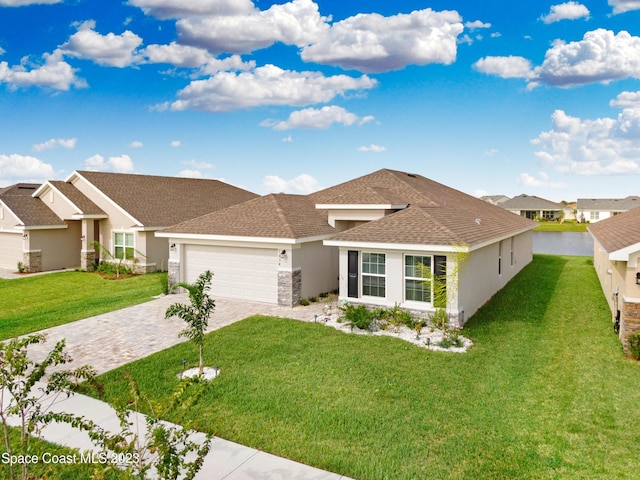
(272, 216)
(163, 201)
(31, 211)
(618, 232)
(530, 202)
(610, 204)
(86, 206)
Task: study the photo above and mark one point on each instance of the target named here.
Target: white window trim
(124, 246)
(362, 274)
(405, 278)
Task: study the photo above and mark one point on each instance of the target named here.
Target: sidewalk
(226, 460)
(113, 339)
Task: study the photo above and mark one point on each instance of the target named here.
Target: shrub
(634, 345)
(439, 319)
(313, 299)
(357, 316)
(304, 302)
(21, 267)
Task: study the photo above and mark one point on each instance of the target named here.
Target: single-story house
(53, 225)
(593, 210)
(616, 258)
(534, 208)
(368, 237)
(495, 199)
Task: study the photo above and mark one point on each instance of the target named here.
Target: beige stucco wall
(479, 278)
(60, 248)
(616, 277)
(56, 202)
(319, 266)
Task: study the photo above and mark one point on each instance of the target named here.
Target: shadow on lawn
(524, 299)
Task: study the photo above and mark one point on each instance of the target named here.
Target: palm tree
(197, 314)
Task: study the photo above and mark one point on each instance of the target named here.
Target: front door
(352, 286)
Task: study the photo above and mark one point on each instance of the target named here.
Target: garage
(10, 250)
(243, 273)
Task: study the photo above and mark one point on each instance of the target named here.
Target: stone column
(173, 274)
(32, 260)
(289, 287)
(629, 321)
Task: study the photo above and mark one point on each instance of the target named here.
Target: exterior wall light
(638, 278)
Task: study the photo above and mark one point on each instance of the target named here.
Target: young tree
(197, 314)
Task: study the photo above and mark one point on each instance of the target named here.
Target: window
(548, 215)
(513, 259)
(373, 274)
(417, 282)
(595, 215)
(123, 246)
(500, 258)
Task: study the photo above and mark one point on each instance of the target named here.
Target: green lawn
(567, 226)
(544, 393)
(36, 302)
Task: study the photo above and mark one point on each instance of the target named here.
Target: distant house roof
(618, 233)
(530, 202)
(272, 216)
(609, 204)
(157, 201)
(30, 211)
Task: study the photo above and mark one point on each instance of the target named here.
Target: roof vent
(412, 175)
(478, 221)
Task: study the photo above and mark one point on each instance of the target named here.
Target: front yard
(545, 392)
(37, 302)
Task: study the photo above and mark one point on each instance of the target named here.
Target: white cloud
(198, 165)
(374, 43)
(372, 148)
(136, 144)
(601, 56)
(476, 24)
(107, 50)
(23, 3)
(177, 55)
(188, 173)
(505, 67)
(626, 99)
(317, 118)
(302, 184)
(68, 143)
(175, 143)
(566, 11)
(53, 73)
(592, 147)
(542, 181)
(23, 168)
(121, 164)
(287, 139)
(180, 8)
(267, 85)
(621, 6)
(294, 23)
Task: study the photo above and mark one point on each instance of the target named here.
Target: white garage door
(10, 250)
(246, 273)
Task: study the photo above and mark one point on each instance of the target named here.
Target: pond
(563, 243)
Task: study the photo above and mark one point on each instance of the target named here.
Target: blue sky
(495, 97)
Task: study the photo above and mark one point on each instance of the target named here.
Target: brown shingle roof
(273, 216)
(162, 201)
(617, 232)
(31, 211)
(86, 206)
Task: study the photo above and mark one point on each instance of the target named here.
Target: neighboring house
(53, 225)
(368, 237)
(495, 199)
(616, 258)
(593, 210)
(534, 208)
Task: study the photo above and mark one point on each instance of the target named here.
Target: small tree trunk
(201, 361)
